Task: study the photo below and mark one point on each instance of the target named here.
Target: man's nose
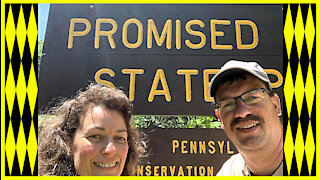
(241, 110)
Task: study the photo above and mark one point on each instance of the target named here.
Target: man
(250, 115)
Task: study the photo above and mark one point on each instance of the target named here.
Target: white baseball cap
(251, 67)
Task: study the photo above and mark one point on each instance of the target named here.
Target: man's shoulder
(233, 166)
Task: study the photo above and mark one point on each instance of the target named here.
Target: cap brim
(221, 74)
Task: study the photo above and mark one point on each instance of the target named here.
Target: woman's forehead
(102, 117)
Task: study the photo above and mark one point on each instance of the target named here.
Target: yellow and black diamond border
(19, 89)
(299, 89)
(20, 107)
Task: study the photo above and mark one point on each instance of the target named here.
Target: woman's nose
(109, 148)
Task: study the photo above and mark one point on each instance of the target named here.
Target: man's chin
(251, 144)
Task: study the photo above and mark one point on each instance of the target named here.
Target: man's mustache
(238, 120)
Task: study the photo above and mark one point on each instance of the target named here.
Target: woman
(90, 135)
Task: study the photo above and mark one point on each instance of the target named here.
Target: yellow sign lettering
(154, 91)
(98, 79)
(183, 147)
(148, 170)
(175, 145)
(240, 45)
(105, 33)
(202, 147)
(164, 170)
(125, 33)
(167, 32)
(206, 83)
(195, 33)
(229, 151)
(132, 85)
(73, 33)
(212, 148)
(221, 143)
(215, 33)
(178, 34)
(188, 73)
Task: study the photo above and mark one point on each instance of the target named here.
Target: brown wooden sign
(162, 56)
(185, 152)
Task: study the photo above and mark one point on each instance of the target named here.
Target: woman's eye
(121, 139)
(95, 137)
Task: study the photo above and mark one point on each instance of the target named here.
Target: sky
(43, 12)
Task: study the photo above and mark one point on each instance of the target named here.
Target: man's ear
(218, 114)
(276, 103)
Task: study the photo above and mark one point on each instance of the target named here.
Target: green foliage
(176, 122)
(42, 118)
(40, 54)
(162, 121)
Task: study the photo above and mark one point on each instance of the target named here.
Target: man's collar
(279, 171)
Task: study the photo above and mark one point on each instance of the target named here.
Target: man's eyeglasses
(249, 98)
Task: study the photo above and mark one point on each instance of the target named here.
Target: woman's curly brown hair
(56, 133)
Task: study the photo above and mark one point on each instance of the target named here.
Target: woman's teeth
(105, 165)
